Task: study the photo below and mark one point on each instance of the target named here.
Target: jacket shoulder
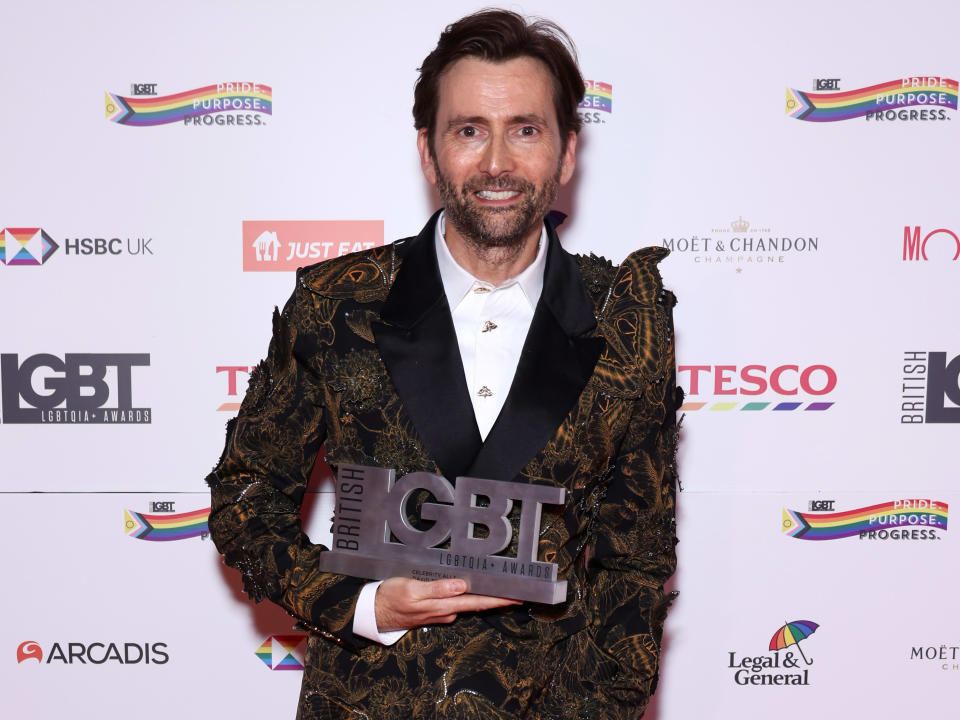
(635, 318)
(638, 278)
(364, 276)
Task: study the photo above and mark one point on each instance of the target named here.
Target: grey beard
(479, 226)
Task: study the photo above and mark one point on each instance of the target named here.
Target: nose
(497, 157)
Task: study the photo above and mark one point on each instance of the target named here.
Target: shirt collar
(457, 282)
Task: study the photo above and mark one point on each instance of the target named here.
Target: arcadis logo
(228, 103)
(597, 99)
(283, 652)
(885, 101)
(776, 387)
(29, 650)
(95, 653)
(915, 243)
(25, 246)
(910, 519)
(775, 668)
(284, 245)
(166, 527)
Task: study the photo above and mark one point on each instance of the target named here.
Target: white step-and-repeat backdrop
(165, 166)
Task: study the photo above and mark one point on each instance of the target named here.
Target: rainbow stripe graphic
(893, 95)
(836, 525)
(25, 246)
(288, 645)
(598, 96)
(165, 527)
(164, 109)
(792, 633)
(754, 406)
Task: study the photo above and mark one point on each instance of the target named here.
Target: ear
(569, 160)
(426, 159)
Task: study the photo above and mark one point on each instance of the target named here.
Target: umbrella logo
(791, 634)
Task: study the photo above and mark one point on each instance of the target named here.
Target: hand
(402, 603)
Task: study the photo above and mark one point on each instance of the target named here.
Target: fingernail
(457, 586)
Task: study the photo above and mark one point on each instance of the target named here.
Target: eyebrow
(531, 119)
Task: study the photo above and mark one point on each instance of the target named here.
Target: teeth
(496, 194)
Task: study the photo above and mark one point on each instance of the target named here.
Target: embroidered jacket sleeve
(258, 485)
(613, 662)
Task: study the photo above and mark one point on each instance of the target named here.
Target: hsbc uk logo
(757, 387)
(283, 652)
(26, 246)
(35, 246)
(946, 244)
(75, 389)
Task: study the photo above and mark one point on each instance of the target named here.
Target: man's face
(497, 162)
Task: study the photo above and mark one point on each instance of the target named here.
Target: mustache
(502, 182)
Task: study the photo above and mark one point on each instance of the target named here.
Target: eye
(528, 131)
(468, 131)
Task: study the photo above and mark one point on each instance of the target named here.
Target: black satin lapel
(418, 344)
(556, 362)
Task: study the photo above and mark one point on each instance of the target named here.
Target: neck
(493, 264)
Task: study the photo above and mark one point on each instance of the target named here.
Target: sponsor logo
(33, 246)
(78, 388)
(930, 388)
(776, 668)
(95, 653)
(912, 519)
(103, 246)
(283, 652)
(158, 527)
(821, 505)
(228, 103)
(801, 384)
(826, 84)
(944, 657)
(739, 244)
(232, 404)
(894, 100)
(143, 88)
(29, 650)
(283, 245)
(25, 246)
(597, 99)
(915, 242)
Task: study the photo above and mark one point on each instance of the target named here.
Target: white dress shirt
(491, 322)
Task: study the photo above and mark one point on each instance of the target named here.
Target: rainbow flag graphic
(163, 109)
(893, 95)
(287, 649)
(25, 246)
(850, 523)
(165, 527)
(597, 96)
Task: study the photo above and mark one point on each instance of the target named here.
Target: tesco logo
(758, 379)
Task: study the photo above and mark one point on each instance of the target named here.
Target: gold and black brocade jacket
(364, 360)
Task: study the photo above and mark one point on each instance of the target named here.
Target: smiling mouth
(497, 194)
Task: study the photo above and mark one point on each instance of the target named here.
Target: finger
(438, 589)
(464, 603)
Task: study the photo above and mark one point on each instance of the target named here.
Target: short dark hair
(501, 35)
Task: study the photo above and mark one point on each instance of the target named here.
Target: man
(478, 348)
